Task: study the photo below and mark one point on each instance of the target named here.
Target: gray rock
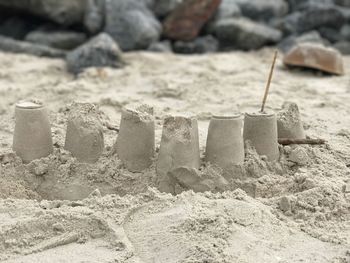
(345, 32)
(228, 9)
(16, 46)
(305, 4)
(263, 10)
(200, 45)
(345, 3)
(320, 16)
(94, 15)
(64, 12)
(100, 51)
(288, 25)
(331, 34)
(164, 7)
(131, 24)
(343, 47)
(310, 37)
(245, 34)
(162, 46)
(16, 27)
(66, 40)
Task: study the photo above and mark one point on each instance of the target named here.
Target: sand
(293, 210)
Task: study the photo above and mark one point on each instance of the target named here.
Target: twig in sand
(301, 141)
(269, 82)
(112, 127)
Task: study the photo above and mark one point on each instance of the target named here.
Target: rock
(285, 204)
(288, 25)
(131, 24)
(228, 9)
(64, 12)
(186, 21)
(331, 34)
(16, 46)
(299, 156)
(343, 47)
(101, 51)
(164, 7)
(16, 27)
(263, 10)
(300, 4)
(345, 3)
(163, 46)
(317, 57)
(57, 39)
(345, 32)
(319, 16)
(309, 37)
(245, 34)
(200, 45)
(94, 15)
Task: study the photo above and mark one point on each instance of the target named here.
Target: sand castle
(135, 144)
(179, 146)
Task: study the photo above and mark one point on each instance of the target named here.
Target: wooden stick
(301, 141)
(269, 82)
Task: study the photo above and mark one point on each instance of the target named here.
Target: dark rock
(245, 34)
(64, 12)
(164, 7)
(163, 46)
(16, 46)
(331, 34)
(131, 24)
(310, 37)
(94, 15)
(15, 27)
(200, 45)
(263, 10)
(100, 51)
(343, 47)
(345, 3)
(186, 21)
(57, 39)
(288, 25)
(345, 32)
(320, 16)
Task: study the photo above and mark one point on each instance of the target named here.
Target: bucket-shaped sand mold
(289, 122)
(179, 147)
(136, 140)
(32, 136)
(225, 145)
(84, 137)
(261, 130)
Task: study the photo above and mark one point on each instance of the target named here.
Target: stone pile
(54, 28)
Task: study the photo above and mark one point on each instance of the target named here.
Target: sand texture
(296, 209)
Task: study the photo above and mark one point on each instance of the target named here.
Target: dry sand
(301, 206)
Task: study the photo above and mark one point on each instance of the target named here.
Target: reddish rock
(186, 21)
(316, 56)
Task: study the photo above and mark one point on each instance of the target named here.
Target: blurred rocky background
(74, 28)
